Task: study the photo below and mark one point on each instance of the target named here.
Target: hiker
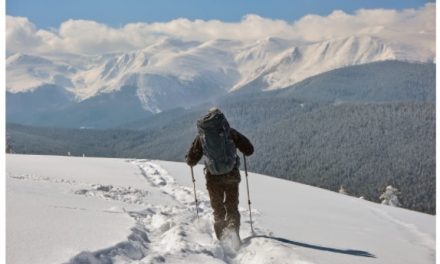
(218, 143)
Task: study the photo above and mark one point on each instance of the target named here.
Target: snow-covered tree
(8, 144)
(342, 190)
(389, 197)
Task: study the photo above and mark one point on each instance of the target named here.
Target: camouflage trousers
(223, 193)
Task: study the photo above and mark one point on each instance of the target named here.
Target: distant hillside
(364, 140)
(373, 82)
(53, 106)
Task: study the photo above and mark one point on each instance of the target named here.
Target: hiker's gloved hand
(190, 162)
(247, 149)
(248, 153)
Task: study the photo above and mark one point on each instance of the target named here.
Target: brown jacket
(195, 153)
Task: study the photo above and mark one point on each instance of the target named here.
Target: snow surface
(100, 210)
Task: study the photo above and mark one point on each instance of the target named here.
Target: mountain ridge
(175, 68)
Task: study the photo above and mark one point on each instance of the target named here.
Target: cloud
(21, 35)
(89, 37)
(376, 22)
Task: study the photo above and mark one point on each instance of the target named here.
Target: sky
(116, 13)
(98, 26)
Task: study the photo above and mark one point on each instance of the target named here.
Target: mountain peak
(26, 59)
(280, 67)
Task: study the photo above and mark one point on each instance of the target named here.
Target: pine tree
(8, 144)
(342, 190)
(389, 197)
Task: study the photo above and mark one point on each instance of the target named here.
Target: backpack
(219, 151)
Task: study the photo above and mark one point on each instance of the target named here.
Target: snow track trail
(173, 234)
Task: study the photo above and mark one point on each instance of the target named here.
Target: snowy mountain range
(98, 210)
(173, 72)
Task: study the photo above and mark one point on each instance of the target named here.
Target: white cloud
(406, 27)
(378, 22)
(21, 35)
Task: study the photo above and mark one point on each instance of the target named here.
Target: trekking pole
(195, 195)
(249, 199)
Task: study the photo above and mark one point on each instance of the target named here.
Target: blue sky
(51, 13)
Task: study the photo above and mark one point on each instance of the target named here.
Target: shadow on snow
(352, 252)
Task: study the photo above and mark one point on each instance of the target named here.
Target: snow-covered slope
(294, 64)
(96, 210)
(170, 69)
(197, 71)
(28, 72)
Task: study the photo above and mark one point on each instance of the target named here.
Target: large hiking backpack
(220, 153)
